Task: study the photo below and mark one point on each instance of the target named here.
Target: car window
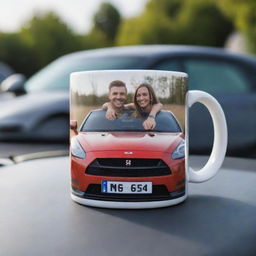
(97, 122)
(56, 75)
(215, 76)
(169, 64)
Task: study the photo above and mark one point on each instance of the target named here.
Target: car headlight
(76, 149)
(179, 152)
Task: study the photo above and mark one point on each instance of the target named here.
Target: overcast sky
(77, 13)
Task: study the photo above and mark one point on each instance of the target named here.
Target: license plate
(126, 187)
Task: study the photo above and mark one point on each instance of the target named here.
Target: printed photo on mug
(127, 130)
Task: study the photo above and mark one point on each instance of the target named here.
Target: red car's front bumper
(165, 186)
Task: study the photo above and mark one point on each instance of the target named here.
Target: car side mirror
(73, 126)
(14, 84)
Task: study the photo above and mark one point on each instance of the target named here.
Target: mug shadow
(228, 224)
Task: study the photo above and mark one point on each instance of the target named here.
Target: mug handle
(220, 137)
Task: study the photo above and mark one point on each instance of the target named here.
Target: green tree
(201, 22)
(106, 23)
(197, 22)
(145, 30)
(49, 37)
(153, 26)
(243, 14)
(96, 39)
(107, 20)
(15, 52)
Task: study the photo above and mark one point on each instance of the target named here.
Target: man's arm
(129, 106)
(111, 113)
(105, 106)
(155, 109)
(150, 122)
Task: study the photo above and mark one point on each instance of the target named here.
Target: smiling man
(117, 94)
(117, 97)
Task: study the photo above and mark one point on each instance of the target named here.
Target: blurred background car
(5, 71)
(41, 110)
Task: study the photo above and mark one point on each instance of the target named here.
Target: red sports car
(118, 164)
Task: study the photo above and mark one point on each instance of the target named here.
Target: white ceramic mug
(131, 147)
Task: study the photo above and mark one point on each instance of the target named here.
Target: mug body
(119, 162)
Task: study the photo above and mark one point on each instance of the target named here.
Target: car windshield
(97, 122)
(55, 76)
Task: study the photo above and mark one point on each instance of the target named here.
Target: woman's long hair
(152, 97)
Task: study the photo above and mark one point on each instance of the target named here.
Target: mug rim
(173, 73)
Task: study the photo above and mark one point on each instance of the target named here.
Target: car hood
(129, 141)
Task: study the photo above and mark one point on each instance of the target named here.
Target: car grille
(159, 192)
(123, 167)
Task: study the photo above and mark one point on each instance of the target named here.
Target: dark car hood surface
(129, 141)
